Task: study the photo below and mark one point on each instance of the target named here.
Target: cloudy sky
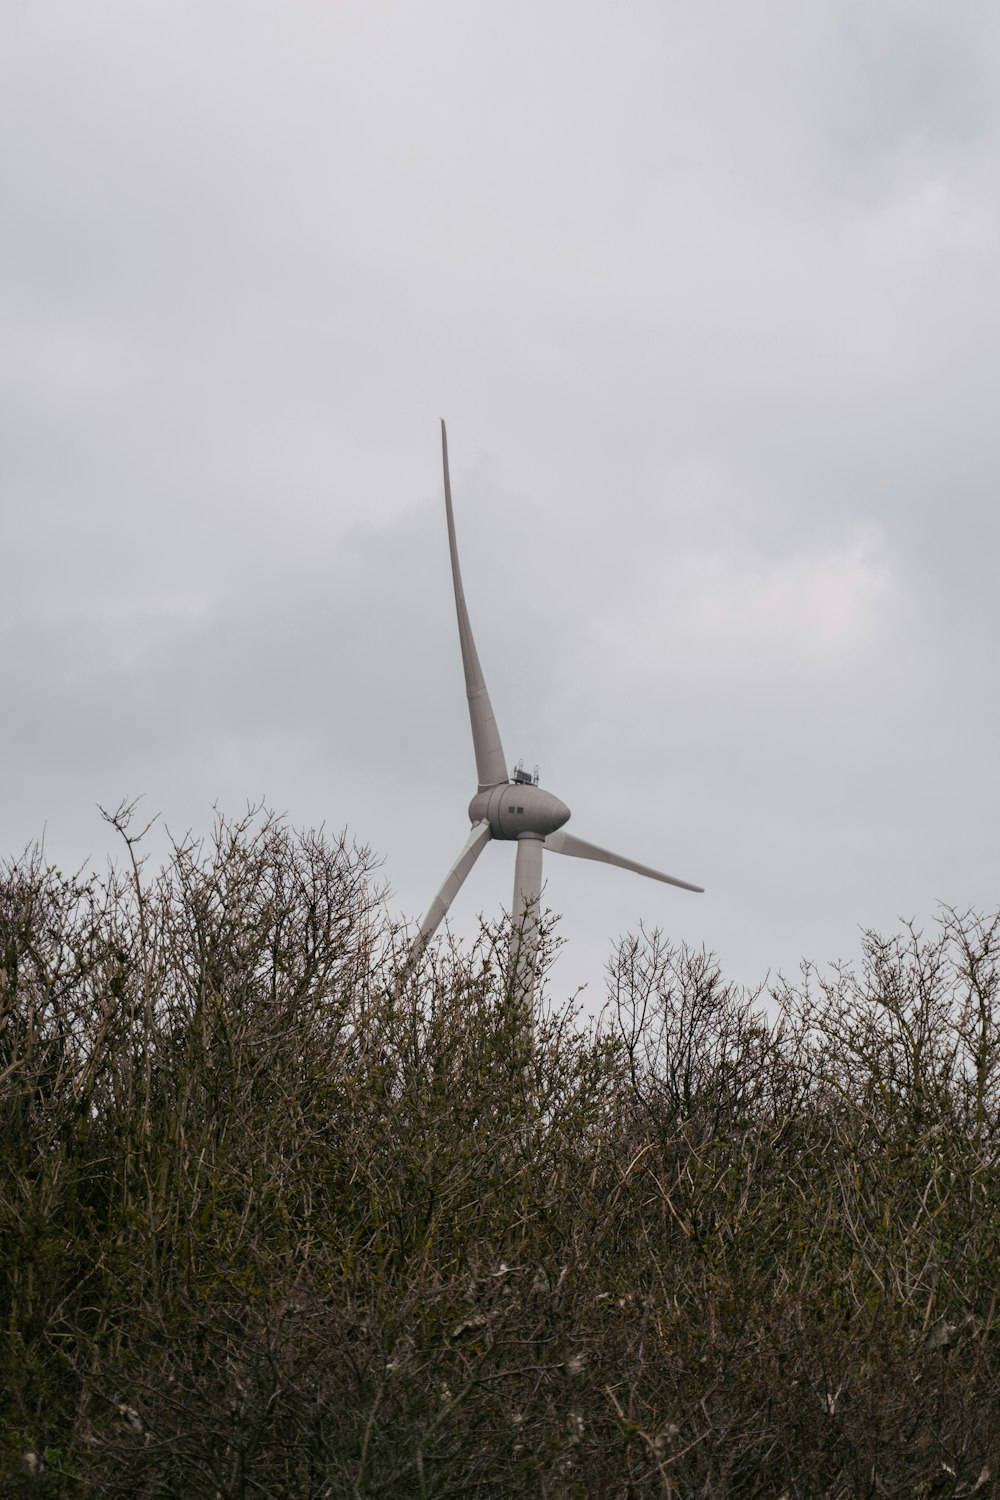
(710, 298)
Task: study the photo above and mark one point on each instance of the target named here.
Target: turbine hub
(517, 807)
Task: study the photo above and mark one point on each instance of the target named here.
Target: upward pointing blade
(491, 764)
(565, 843)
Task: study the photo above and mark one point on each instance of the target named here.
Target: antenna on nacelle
(523, 777)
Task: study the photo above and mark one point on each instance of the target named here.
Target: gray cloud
(710, 299)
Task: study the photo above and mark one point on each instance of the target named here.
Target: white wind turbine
(510, 809)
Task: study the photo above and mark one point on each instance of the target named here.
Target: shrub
(280, 1217)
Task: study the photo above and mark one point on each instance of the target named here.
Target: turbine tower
(512, 809)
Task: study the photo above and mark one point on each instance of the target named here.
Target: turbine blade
(453, 882)
(491, 766)
(565, 843)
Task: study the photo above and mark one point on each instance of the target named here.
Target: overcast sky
(710, 298)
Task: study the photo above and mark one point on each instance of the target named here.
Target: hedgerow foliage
(277, 1221)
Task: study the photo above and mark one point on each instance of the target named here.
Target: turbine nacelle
(515, 808)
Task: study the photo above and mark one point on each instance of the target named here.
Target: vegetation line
(278, 1218)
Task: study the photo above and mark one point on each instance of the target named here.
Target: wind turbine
(512, 809)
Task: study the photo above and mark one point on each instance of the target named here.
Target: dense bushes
(276, 1222)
